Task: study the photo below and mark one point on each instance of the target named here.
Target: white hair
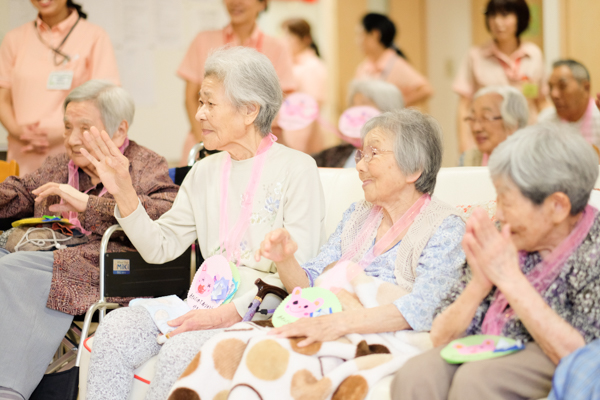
(514, 108)
(417, 139)
(114, 103)
(386, 96)
(546, 158)
(248, 78)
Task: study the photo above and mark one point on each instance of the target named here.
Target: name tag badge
(121, 267)
(60, 80)
(530, 90)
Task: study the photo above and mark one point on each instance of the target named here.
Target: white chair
(456, 186)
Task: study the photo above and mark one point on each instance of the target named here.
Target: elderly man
(570, 93)
(40, 291)
(496, 113)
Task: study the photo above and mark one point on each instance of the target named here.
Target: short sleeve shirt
(392, 68)
(26, 63)
(192, 66)
(488, 66)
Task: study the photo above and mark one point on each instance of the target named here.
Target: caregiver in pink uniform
(241, 31)
(40, 62)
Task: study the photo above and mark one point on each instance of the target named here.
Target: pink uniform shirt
(392, 68)
(310, 74)
(192, 66)
(488, 66)
(25, 65)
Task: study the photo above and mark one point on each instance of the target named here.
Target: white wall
(448, 41)
(148, 65)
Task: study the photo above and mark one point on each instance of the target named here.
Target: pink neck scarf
(74, 182)
(230, 240)
(542, 275)
(336, 277)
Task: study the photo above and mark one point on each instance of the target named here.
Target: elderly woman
(381, 95)
(239, 98)
(416, 260)
(40, 291)
(536, 280)
(496, 113)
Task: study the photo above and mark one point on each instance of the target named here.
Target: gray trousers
(526, 374)
(125, 340)
(30, 333)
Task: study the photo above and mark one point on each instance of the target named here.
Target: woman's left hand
(74, 200)
(493, 251)
(318, 329)
(199, 320)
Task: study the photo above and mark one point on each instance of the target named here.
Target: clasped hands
(491, 254)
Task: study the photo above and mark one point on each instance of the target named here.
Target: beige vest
(412, 245)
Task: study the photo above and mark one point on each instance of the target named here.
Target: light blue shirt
(437, 271)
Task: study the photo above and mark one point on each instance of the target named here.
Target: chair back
(8, 169)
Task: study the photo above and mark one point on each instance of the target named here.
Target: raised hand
(492, 256)
(111, 166)
(74, 200)
(278, 246)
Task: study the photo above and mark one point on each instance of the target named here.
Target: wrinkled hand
(197, 320)
(318, 329)
(74, 200)
(492, 256)
(277, 246)
(111, 166)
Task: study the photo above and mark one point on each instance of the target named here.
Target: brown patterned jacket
(75, 278)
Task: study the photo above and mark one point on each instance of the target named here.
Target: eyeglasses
(482, 121)
(368, 152)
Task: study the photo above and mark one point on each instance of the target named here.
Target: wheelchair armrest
(198, 147)
(103, 249)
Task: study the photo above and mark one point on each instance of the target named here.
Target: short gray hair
(249, 78)
(417, 141)
(579, 71)
(547, 158)
(386, 96)
(514, 108)
(115, 103)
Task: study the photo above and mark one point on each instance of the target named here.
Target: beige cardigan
(289, 196)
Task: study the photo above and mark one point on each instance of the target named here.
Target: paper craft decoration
(352, 121)
(213, 283)
(235, 276)
(306, 303)
(479, 347)
(46, 219)
(298, 111)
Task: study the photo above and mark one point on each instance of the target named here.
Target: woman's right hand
(472, 251)
(278, 246)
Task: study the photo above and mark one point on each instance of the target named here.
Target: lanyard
(342, 272)
(586, 124)
(229, 239)
(512, 73)
(73, 181)
(258, 45)
(56, 50)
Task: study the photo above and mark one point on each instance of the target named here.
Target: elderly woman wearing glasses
(496, 113)
(398, 165)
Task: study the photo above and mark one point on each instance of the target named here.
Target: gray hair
(386, 96)
(514, 108)
(579, 71)
(545, 159)
(115, 103)
(417, 141)
(249, 78)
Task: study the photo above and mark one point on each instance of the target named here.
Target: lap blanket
(244, 362)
